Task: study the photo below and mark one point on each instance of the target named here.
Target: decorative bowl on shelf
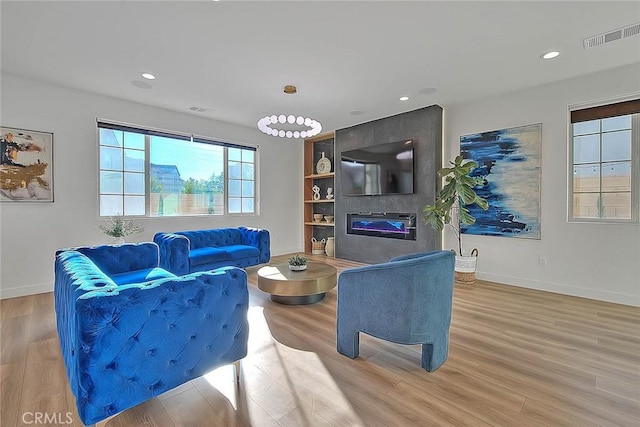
(329, 218)
(317, 217)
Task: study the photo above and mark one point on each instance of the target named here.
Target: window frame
(148, 132)
(602, 110)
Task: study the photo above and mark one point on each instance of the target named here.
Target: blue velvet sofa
(183, 252)
(130, 330)
(406, 300)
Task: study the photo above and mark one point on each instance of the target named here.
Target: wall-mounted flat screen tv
(378, 169)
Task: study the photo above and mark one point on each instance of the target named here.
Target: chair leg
(348, 342)
(236, 365)
(435, 353)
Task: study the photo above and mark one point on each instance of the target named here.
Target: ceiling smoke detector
(611, 36)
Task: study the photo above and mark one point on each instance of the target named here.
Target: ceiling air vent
(620, 33)
(198, 109)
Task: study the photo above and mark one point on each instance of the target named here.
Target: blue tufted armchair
(130, 330)
(406, 300)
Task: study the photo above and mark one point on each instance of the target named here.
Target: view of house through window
(604, 148)
(182, 177)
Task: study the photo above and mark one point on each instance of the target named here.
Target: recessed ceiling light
(404, 98)
(148, 76)
(550, 55)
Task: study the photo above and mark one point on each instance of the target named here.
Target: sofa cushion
(241, 251)
(207, 255)
(138, 276)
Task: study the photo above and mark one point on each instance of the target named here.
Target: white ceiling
(234, 57)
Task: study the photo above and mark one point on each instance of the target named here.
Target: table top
(277, 279)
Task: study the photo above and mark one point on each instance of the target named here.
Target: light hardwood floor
(517, 357)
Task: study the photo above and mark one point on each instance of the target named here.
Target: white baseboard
(558, 288)
(25, 290)
(287, 251)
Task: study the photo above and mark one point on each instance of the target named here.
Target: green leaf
(468, 195)
(465, 217)
(482, 203)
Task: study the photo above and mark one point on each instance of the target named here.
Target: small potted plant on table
(119, 228)
(297, 263)
(450, 209)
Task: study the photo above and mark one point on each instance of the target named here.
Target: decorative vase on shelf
(330, 247)
(324, 165)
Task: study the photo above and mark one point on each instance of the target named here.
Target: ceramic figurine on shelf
(316, 192)
(329, 193)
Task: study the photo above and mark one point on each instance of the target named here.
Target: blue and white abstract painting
(509, 162)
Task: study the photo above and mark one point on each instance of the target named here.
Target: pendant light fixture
(272, 124)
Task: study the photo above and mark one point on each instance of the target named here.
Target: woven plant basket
(465, 271)
(317, 246)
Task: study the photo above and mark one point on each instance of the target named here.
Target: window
(150, 173)
(604, 162)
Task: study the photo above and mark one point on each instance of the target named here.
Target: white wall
(599, 261)
(31, 232)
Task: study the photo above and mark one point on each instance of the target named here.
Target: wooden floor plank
(517, 357)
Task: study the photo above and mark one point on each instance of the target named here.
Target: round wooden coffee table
(297, 287)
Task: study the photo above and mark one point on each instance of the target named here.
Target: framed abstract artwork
(26, 168)
(509, 162)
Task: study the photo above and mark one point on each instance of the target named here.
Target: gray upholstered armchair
(406, 300)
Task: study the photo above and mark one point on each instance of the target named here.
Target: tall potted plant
(450, 208)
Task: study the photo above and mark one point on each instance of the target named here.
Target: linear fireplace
(383, 224)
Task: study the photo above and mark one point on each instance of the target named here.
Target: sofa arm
(75, 274)
(174, 252)
(144, 339)
(259, 238)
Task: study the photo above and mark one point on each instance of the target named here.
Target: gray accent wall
(424, 127)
